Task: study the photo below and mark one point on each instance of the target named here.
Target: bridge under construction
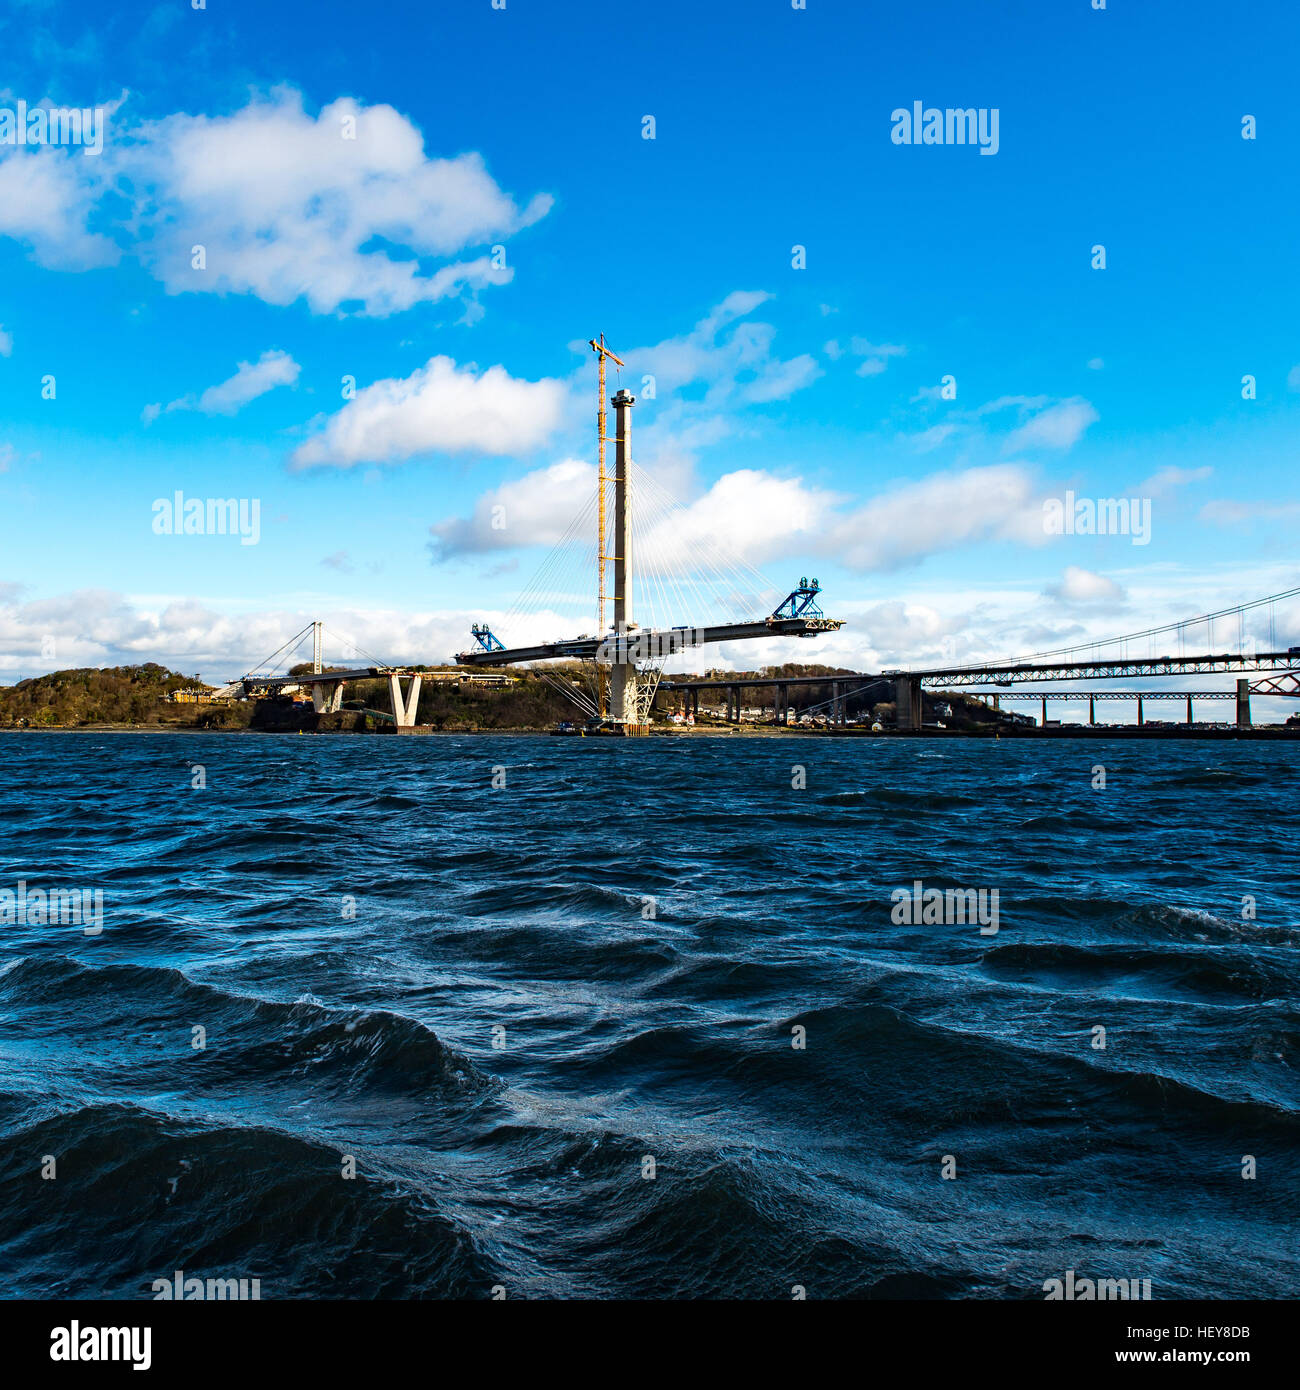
(628, 658)
(614, 675)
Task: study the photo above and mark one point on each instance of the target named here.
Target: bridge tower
(623, 702)
(602, 352)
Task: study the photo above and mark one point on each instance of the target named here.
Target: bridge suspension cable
(360, 651)
(1238, 611)
(282, 659)
(266, 667)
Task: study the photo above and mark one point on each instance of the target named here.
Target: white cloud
(930, 624)
(730, 354)
(98, 627)
(252, 379)
(1058, 427)
(876, 355)
(1085, 587)
(1095, 364)
(1230, 512)
(7, 456)
(703, 380)
(450, 409)
(782, 379)
(756, 516)
(1022, 404)
(920, 626)
(686, 561)
(941, 512)
(286, 206)
(6, 343)
(48, 196)
(536, 509)
(749, 513)
(441, 408)
(1168, 479)
(1293, 378)
(932, 438)
(1039, 419)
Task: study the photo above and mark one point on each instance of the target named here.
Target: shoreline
(1275, 732)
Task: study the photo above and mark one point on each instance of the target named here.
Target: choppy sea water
(502, 1003)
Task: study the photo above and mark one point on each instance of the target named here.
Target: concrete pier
(327, 699)
(1243, 703)
(404, 709)
(781, 705)
(907, 702)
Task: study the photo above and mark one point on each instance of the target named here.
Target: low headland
(150, 698)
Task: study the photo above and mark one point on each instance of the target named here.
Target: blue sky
(797, 415)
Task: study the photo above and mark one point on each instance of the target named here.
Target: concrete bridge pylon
(907, 702)
(624, 696)
(404, 709)
(327, 699)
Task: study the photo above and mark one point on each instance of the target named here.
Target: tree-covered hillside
(111, 695)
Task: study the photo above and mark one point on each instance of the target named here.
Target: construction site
(633, 585)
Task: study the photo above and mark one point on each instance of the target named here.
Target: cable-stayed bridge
(1279, 670)
(687, 572)
(676, 586)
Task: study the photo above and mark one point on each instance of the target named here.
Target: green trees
(87, 695)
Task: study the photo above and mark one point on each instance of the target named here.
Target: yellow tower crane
(597, 346)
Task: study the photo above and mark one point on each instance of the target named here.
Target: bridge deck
(354, 673)
(1124, 668)
(1108, 694)
(654, 641)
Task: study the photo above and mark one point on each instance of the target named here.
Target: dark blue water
(632, 1030)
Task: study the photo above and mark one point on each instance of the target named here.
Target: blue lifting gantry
(487, 642)
(801, 603)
